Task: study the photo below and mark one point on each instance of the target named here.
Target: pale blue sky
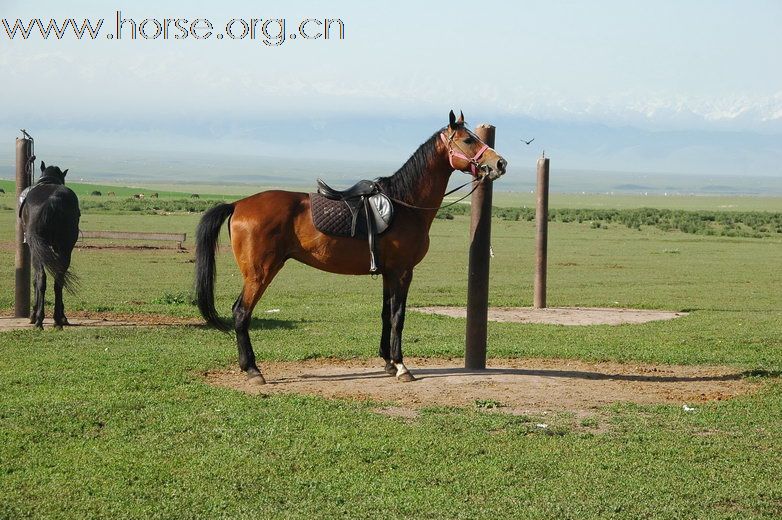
(663, 65)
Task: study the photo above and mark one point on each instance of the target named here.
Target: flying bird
(527, 142)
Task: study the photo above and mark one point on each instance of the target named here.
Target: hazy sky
(683, 65)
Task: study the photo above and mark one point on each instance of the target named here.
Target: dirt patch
(517, 386)
(560, 315)
(102, 319)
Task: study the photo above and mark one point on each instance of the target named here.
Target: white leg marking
(400, 369)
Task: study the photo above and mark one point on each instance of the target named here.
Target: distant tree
(96, 193)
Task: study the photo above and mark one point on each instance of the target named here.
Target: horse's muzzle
(495, 171)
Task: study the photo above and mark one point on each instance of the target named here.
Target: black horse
(50, 217)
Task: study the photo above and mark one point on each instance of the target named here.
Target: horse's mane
(52, 175)
(405, 181)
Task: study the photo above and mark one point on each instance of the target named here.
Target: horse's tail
(44, 253)
(207, 233)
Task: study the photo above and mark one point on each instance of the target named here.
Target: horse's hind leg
(59, 283)
(39, 285)
(59, 306)
(255, 283)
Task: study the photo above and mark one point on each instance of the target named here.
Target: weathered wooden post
(24, 166)
(478, 270)
(541, 236)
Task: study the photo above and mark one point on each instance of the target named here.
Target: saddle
(23, 198)
(360, 211)
(26, 192)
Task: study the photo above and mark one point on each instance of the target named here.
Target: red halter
(452, 153)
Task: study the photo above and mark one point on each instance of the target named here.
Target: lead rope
(31, 159)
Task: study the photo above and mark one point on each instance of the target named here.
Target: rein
(412, 206)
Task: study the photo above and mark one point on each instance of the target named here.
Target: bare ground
(513, 385)
(560, 315)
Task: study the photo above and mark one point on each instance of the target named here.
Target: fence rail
(135, 235)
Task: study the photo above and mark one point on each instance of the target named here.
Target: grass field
(501, 198)
(117, 422)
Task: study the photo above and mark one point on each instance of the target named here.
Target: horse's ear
(65, 173)
(43, 166)
(460, 121)
(452, 120)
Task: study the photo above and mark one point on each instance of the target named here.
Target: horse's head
(467, 153)
(52, 174)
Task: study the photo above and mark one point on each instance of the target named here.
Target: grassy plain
(117, 422)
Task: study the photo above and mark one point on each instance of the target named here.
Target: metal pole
(541, 237)
(478, 270)
(24, 164)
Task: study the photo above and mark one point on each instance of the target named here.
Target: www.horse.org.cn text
(271, 32)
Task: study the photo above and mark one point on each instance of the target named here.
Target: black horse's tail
(41, 250)
(207, 233)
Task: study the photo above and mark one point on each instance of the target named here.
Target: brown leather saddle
(360, 211)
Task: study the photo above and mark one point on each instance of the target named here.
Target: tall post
(541, 236)
(24, 165)
(478, 270)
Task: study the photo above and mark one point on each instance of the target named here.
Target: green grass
(624, 201)
(116, 422)
(85, 190)
(754, 224)
(501, 198)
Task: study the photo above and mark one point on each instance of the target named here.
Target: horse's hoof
(39, 326)
(390, 369)
(406, 377)
(256, 379)
(58, 326)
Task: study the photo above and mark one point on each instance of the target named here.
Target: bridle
(450, 143)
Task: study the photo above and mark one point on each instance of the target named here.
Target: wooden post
(24, 165)
(541, 237)
(478, 270)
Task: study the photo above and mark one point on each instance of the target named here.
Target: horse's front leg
(385, 335)
(40, 291)
(400, 283)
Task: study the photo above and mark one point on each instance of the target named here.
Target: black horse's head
(52, 174)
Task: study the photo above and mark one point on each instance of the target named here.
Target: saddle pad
(333, 217)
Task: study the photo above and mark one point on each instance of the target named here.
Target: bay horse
(50, 219)
(268, 228)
